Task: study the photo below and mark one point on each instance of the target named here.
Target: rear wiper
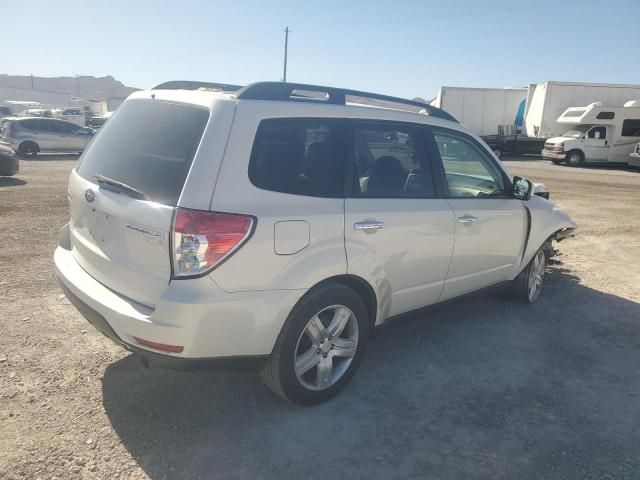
(131, 191)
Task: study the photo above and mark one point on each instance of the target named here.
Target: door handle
(467, 219)
(368, 225)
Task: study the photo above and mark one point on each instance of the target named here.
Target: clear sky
(405, 48)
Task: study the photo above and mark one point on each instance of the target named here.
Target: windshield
(149, 146)
(577, 131)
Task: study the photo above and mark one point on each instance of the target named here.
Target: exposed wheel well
(361, 287)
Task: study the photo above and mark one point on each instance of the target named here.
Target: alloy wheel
(326, 347)
(536, 276)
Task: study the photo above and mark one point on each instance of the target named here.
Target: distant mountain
(86, 87)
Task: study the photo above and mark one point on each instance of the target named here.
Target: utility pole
(77, 77)
(32, 81)
(286, 44)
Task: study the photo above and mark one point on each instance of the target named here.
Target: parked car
(634, 159)
(74, 115)
(275, 226)
(30, 136)
(98, 121)
(9, 163)
(37, 112)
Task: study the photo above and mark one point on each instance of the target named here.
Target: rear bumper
(249, 362)
(548, 154)
(217, 329)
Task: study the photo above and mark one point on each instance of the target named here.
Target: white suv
(273, 226)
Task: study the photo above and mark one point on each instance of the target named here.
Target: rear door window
(149, 145)
(390, 162)
(301, 156)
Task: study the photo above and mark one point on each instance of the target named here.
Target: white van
(597, 134)
(71, 114)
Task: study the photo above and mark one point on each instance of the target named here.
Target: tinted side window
(28, 124)
(469, 170)
(65, 127)
(631, 128)
(56, 127)
(300, 156)
(390, 162)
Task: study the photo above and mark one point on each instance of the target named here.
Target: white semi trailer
(483, 110)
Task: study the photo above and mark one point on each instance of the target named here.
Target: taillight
(202, 240)
(160, 346)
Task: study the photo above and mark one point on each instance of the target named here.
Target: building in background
(44, 97)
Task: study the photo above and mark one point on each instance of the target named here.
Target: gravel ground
(479, 388)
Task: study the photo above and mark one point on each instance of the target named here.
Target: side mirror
(522, 188)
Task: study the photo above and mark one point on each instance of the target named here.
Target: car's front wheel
(574, 158)
(320, 346)
(528, 285)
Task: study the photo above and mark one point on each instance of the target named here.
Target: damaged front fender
(548, 223)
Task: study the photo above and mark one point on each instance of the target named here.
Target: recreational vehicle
(595, 134)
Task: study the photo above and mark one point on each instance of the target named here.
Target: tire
(303, 342)
(28, 149)
(528, 285)
(574, 158)
(557, 161)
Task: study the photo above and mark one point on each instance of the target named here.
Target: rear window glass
(149, 145)
(298, 155)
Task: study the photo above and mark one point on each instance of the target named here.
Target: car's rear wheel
(28, 149)
(528, 285)
(574, 158)
(320, 346)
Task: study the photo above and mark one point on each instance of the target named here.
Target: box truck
(547, 101)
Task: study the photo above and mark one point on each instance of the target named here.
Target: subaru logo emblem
(89, 195)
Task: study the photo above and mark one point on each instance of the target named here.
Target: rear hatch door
(123, 192)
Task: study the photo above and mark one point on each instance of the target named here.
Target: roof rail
(299, 92)
(194, 85)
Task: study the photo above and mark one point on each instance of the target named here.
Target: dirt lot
(482, 388)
